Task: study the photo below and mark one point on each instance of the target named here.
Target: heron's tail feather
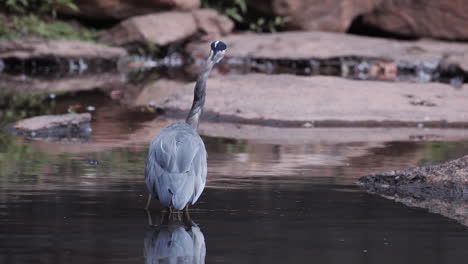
(173, 189)
(199, 171)
(182, 187)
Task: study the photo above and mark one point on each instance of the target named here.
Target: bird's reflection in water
(174, 240)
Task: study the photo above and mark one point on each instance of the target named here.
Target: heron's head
(218, 48)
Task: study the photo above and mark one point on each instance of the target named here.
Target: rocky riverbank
(41, 48)
(406, 18)
(448, 179)
(441, 188)
(248, 87)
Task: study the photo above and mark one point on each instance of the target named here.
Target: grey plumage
(176, 166)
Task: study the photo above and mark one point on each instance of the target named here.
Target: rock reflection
(175, 241)
(456, 209)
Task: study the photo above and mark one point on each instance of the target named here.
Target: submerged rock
(156, 93)
(69, 127)
(441, 188)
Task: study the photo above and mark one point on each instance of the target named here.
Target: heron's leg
(150, 219)
(148, 202)
(164, 218)
(177, 216)
(186, 218)
(170, 212)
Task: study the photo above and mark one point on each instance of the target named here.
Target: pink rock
(323, 15)
(430, 18)
(122, 9)
(168, 27)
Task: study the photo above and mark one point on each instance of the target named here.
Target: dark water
(264, 203)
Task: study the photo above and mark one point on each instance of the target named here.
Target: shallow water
(264, 203)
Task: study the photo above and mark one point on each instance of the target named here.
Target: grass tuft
(14, 27)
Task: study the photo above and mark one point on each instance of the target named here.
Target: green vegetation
(436, 152)
(246, 18)
(15, 106)
(15, 156)
(13, 27)
(38, 7)
(225, 145)
(37, 18)
(19, 157)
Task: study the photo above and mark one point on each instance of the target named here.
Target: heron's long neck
(199, 93)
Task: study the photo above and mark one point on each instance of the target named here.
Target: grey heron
(176, 166)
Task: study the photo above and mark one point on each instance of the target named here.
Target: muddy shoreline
(211, 116)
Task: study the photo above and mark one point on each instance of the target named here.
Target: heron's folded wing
(199, 170)
(182, 156)
(174, 152)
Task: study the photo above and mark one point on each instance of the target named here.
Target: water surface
(264, 203)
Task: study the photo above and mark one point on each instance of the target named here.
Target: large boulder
(122, 9)
(324, 15)
(161, 29)
(167, 27)
(320, 101)
(34, 48)
(430, 18)
(211, 24)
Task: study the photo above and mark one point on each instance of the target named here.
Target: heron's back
(176, 166)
